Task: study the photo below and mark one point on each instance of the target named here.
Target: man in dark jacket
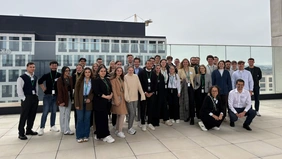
(256, 73)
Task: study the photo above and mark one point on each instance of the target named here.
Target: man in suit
(256, 73)
(137, 68)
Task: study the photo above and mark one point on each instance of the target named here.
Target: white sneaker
(109, 139)
(41, 132)
(68, 133)
(116, 132)
(177, 121)
(151, 127)
(121, 135)
(168, 123)
(95, 137)
(258, 114)
(216, 128)
(131, 131)
(53, 128)
(144, 128)
(139, 124)
(202, 126)
(173, 121)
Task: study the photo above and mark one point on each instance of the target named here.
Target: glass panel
(84, 46)
(95, 45)
(7, 60)
(62, 45)
(6, 91)
(184, 51)
(124, 46)
(115, 46)
(121, 58)
(15, 93)
(20, 60)
(105, 45)
(59, 59)
(26, 44)
(3, 42)
(134, 46)
(109, 58)
(2, 75)
(13, 75)
(143, 46)
(67, 60)
(89, 60)
(152, 47)
(238, 53)
(161, 47)
(14, 43)
(218, 51)
(73, 45)
(30, 58)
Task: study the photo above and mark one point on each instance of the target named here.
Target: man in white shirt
(240, 105)
(244, 75)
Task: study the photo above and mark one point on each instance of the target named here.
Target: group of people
(162, 91)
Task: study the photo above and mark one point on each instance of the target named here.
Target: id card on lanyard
(32, 83)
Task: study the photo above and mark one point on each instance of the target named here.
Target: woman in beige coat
(118, 101)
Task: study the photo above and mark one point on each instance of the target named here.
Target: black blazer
(140, 70)
(208, 107)
(256, 73)
(100, 88)
(143, 77)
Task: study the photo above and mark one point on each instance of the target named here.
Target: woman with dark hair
(83, 104)
(202, 83)
(102, 104)
(65, 87)
(212, 112)
(186, 100)
(118, 101)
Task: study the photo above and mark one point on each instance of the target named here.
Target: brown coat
(63, 93)
(118, 101)
(78, 95)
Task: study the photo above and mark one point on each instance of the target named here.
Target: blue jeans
(49, 104)
(83, 123)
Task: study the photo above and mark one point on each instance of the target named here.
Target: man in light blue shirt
(245, 75)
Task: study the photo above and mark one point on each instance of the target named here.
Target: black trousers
(173, 102)
(164, 112)
(210, 122)
(102, 126)
(191, 94)
(149, 103)
(28, 112)
(199, 99)
(256, 97)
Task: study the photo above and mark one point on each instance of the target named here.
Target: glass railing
(12, 63)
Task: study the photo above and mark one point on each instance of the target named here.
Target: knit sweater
(131, 88)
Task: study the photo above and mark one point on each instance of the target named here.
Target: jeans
(83, 123)
(256, 97)
(49, 104)
(65, 117)
(251, 114)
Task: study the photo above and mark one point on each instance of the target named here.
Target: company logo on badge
(5, 51)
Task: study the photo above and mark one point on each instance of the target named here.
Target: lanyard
(32, 81)
(53, 80)
(187, 75)
(149, 77)
(203, 80)
(165, 75)
(86, 86)
(106, 83)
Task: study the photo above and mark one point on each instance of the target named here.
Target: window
(262, 79)
(115, 46)
(90, 60)
(6, 91)
(84, 46)
(73, 44)
(270, 79)
(134, 46)
(20, 60)
(2, 75)
(67, 60)
(26, 44)
(270, 85)
(59, 58)
(3, 42)
(161, 47)
(105, 45)
(152, 47)
(95, 45)
(16, 94)
(124, 46)
(13, 75)
(262, 85)
(109, 58)
(14, 43)
(30, 57)
(143, 46)
(7, 60)
(62, 45)
(121, 58)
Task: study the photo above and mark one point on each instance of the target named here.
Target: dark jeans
(83, 123)
(256, 97)
(49, 104)
(251, 114)
(28, 112)
(149, 103)
(173, 102)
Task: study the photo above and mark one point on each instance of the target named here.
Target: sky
(221, 22)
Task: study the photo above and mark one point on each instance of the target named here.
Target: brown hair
(181, 64)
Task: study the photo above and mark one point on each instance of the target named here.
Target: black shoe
(31, 132)
(22, 137)
(192, 121)
(247, 127)
(186, 120)
(232, 124)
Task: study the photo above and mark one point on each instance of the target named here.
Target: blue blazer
(223, 82)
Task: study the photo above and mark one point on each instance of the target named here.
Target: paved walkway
(179, 141)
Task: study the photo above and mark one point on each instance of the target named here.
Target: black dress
(211, 106)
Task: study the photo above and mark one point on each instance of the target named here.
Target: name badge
(191, 73)
(149, 80)
(56, 79)
(149, 88)
(33, 92)
(156, 92)
(165, 86)
(188, 84)
(203, 91)
(32, 78)
(53, 91)
(158, 81)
